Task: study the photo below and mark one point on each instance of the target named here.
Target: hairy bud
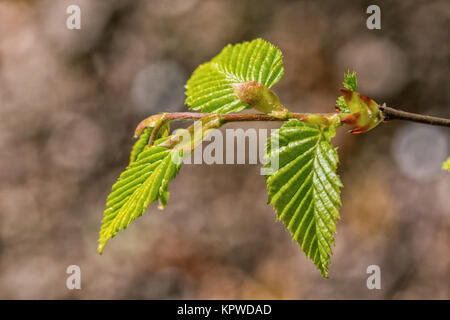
(260, 98)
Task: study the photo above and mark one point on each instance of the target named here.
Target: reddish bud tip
(366, 99)
(347, 94)
(351, 119)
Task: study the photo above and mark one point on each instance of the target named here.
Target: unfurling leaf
(210, 88)
(350, 83)
(144, 181)
(305, 190)
(365, 113)
(360, 111)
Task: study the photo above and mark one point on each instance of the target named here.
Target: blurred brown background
(70, 99)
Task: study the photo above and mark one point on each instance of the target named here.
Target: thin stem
(238, 116)
(394, 114)
(322, 118)
(389, 114)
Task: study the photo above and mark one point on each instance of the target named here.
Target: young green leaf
(305, 190)
(210, 87)
(144, 181)
(140, 144)
(350, 83)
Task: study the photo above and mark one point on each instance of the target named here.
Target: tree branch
(389, 114)
(156, 121)
(237, 117)
(394, 114)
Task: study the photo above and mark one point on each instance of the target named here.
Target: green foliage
(305, 190)
(210, 87)
(144, 181)
(446, 165)
(350, 83)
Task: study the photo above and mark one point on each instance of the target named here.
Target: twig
(236, 117)
(326, 118)
(394, 114)
(389, 114)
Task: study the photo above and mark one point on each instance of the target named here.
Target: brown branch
(389, 114)
(236, 117)
(323, 118)
(394, 114)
